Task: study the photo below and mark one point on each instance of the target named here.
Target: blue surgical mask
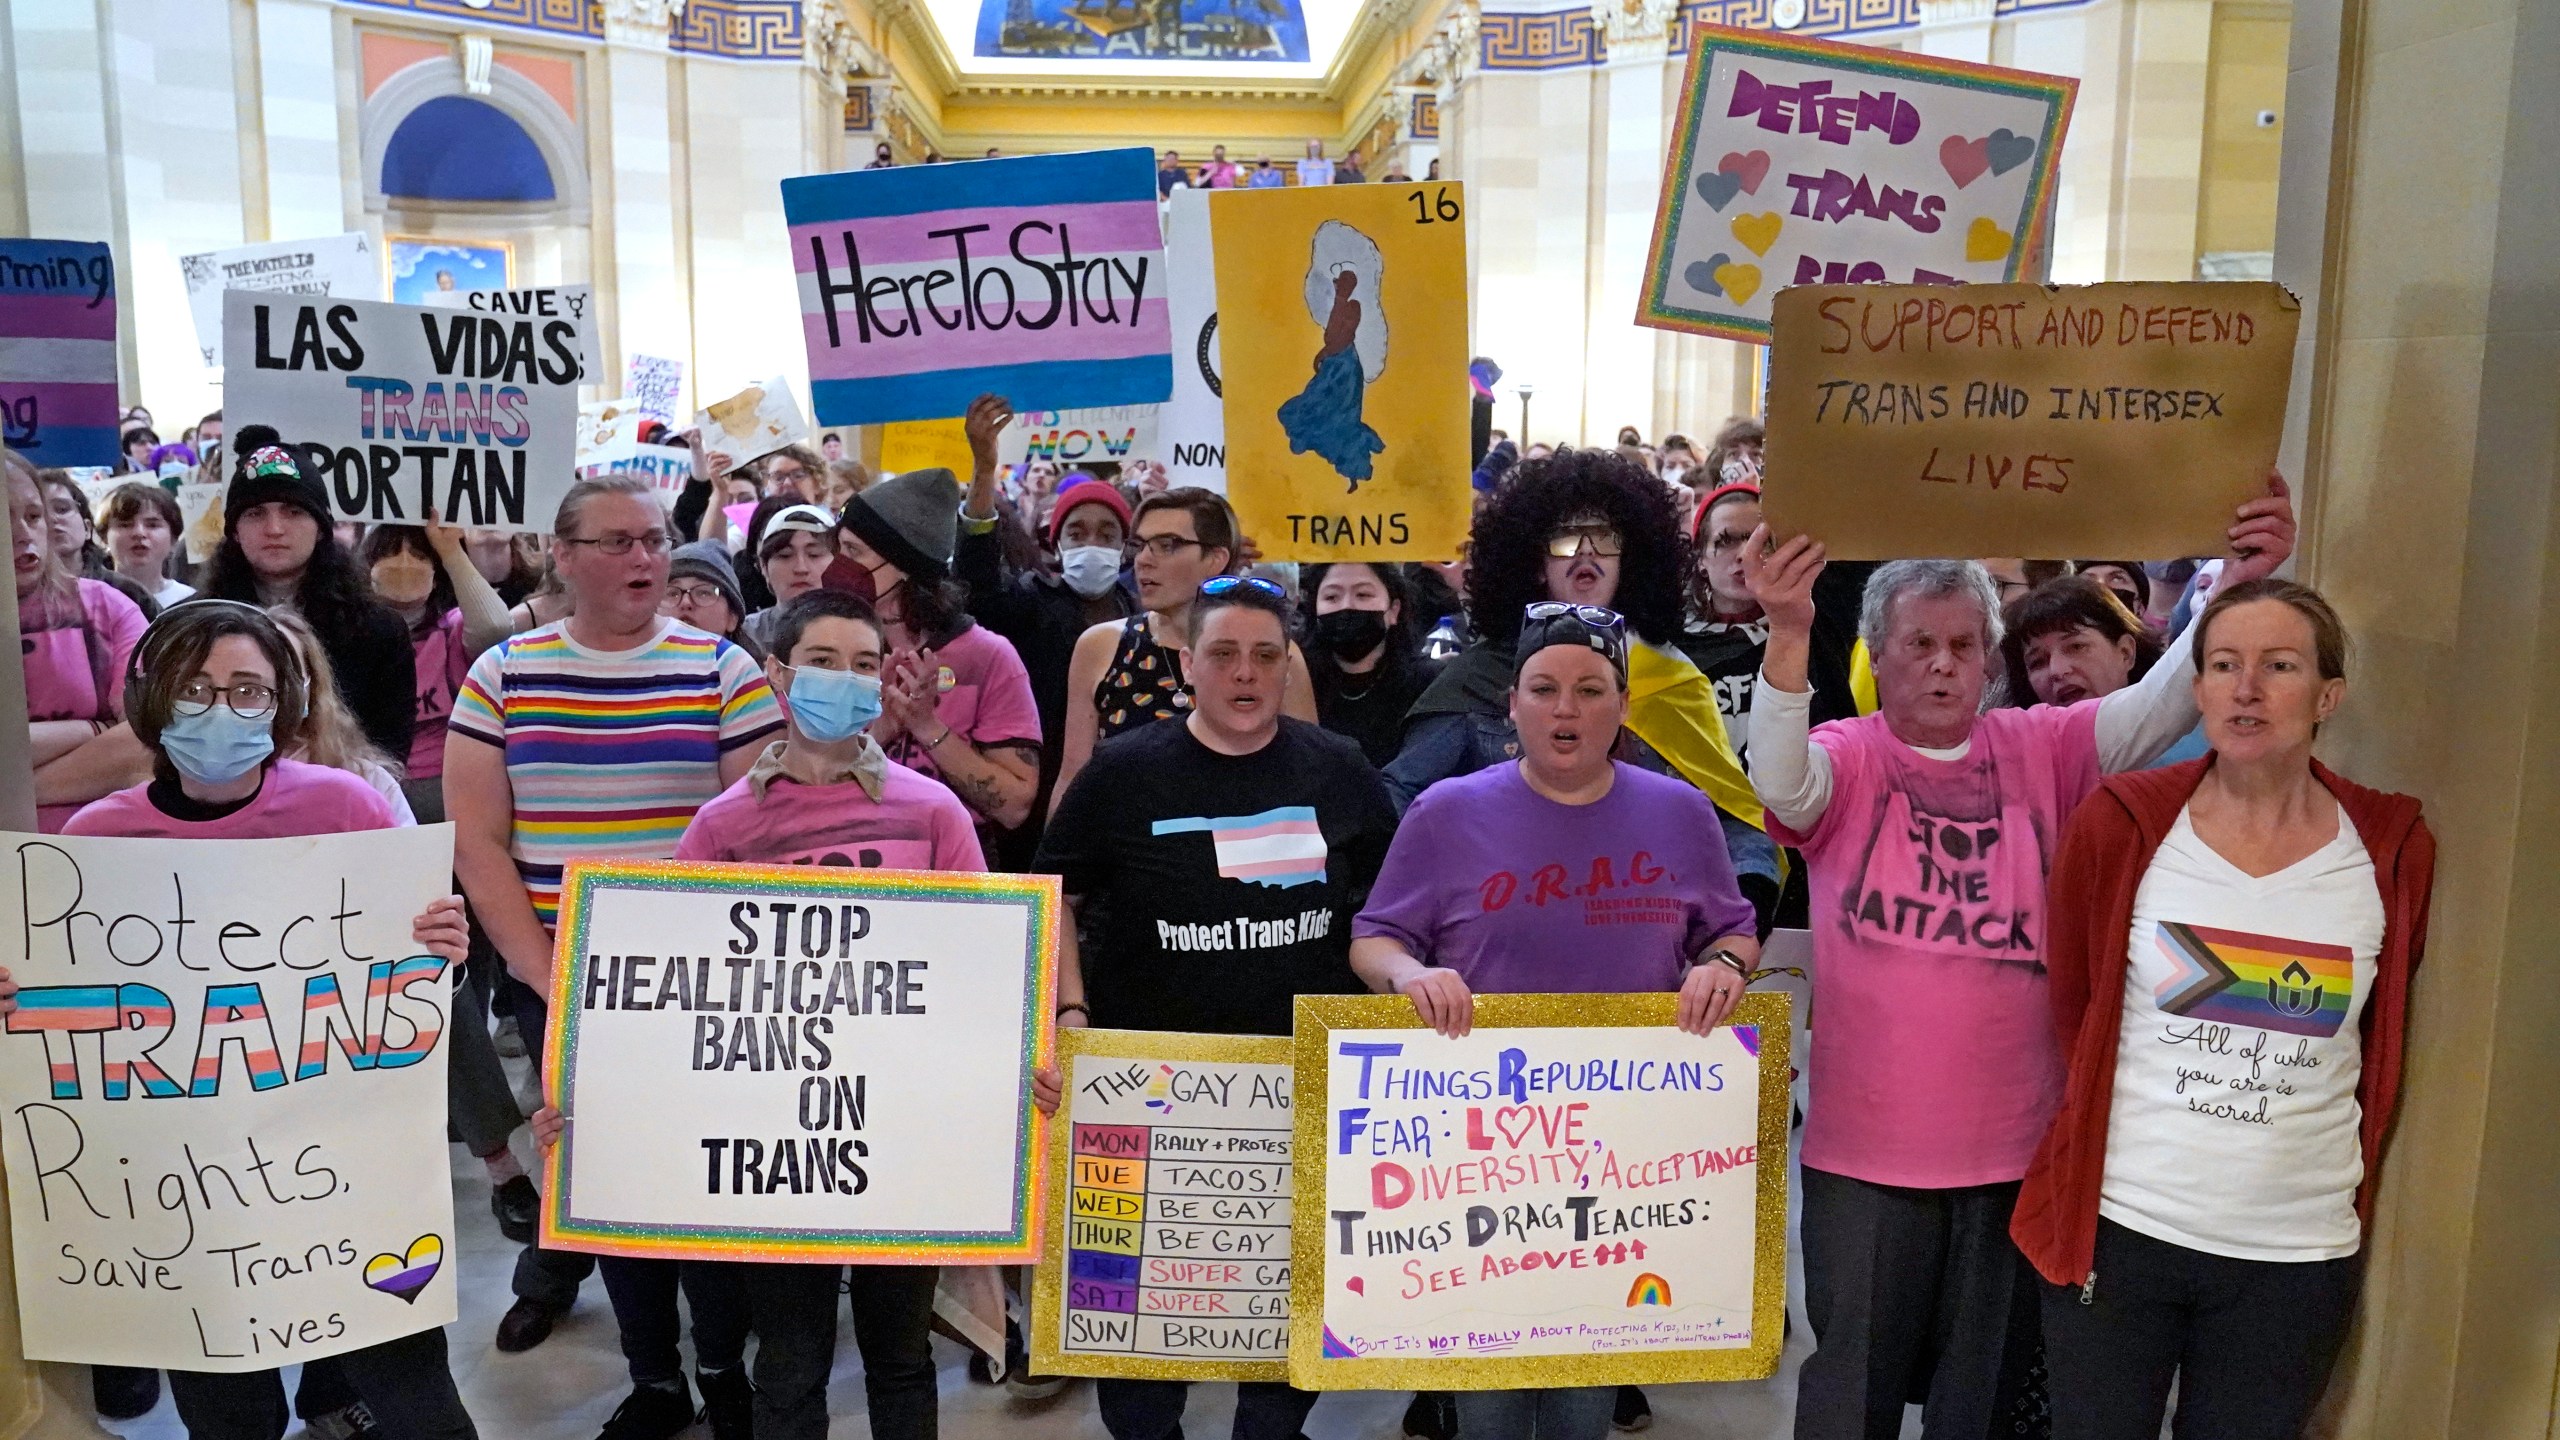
(1089, 570)
(831, 706)
(218, 746)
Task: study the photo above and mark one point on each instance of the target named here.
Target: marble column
(1631, 107)
(646, 279)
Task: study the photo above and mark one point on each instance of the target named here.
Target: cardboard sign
(1167, 1254)
(58, 352)
(404, 407)
(1343, 312)
(751, 424)
(226, 1133)
(334, 265)
(608, 430)
(1039, 278)
(800, 1062)
(200, 514)
(653, 384)
(544, 302)
(1193, 424)
(1067, 438)
(1578, 1193)
(2125, 419)
(1799, 162)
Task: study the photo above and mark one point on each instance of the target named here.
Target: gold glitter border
(1046, 1357)
(1319, 1015)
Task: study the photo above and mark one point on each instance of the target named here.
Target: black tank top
(1142, 684)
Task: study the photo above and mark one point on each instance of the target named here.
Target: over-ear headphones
(293, 678)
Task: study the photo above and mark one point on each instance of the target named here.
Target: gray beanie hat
(913, 520)
(709, 560)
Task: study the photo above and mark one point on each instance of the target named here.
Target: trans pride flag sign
(1041, 279)
(58, 351)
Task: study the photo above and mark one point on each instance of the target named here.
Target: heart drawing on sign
(1751, 168)
(1719, 189)
(1740, 282)
(405, 1274)
(1759, 232)
(2007, 151)
(1356, 1285)
(1965, 159)
(1701, 274)
(1986, 241)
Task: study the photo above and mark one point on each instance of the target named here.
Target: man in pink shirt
(1927, 830)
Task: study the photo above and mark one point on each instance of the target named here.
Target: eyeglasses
(1565, 544)
(1225, 583)
(694, 595)
(1165, 547)
(248, 700)
(1598, 617)
(655, 542)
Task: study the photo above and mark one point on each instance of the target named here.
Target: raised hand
(2262, 534)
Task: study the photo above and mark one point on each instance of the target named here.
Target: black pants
(405, 1382)
(1913, 1295)
(548, 1277)
(644, 1306)
(794, 1314)
(2249, 1342)
(1152, 1409)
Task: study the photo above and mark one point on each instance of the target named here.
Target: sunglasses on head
(1598, 617)
(1224, 583)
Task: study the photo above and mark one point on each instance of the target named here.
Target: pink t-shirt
(917, 824)
(75, 662)
(1934, 1063)
(442, 667)
(297, 799)
(986, 698)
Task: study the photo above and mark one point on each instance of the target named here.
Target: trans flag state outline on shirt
(1279, 848)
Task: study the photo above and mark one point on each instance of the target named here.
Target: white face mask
(1089, 570)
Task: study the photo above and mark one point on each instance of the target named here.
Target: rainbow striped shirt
(610, 752)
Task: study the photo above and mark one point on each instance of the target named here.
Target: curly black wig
(1507, 566)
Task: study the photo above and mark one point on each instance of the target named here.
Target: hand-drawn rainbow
(1649, 1289)
(2230, 977)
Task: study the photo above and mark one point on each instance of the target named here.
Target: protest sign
(652, 384)
(2123, 419)
(1796, 161)
(608, 430)
(924, 444)
(1193, 423)
(334, 265)
(200, 515)
(751, 424)
(1577, 1193)
(819, 1061)
(403, 407)
(544, 302)
(1039, 278)
(1342, 312)
(226, 1139)
(1066, 438)
(666, 467)
(1167, 1252)
(58, 352)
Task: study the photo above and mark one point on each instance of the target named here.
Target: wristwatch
(1720, 955)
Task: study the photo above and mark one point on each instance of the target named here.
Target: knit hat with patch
(913, 520)
(270, 470)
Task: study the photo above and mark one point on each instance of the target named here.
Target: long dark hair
(333, 594)
(1507, 566)
(385, 540)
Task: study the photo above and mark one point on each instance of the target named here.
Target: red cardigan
(2105, 851)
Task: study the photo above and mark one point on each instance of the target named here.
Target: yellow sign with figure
(1342, 320)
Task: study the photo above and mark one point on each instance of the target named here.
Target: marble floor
(566, 1387)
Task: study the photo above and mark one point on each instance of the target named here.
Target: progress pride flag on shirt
(1040, 278)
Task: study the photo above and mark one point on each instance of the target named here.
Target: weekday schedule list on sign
(1177, 1211)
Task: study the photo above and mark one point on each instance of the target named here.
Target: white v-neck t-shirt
(2235, 1128)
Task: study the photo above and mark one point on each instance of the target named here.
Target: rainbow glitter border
(1017, 1245)
(1048, 1282)
(1314, 1364)
(2032, 227)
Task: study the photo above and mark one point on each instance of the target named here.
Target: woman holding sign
(218, 694)
(1566, 872)
(2230, 960)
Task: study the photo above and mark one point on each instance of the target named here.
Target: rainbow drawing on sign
(2230, 977)
(1160, 1090)
(1649, 1289)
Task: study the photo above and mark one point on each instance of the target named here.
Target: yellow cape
(1671, 705)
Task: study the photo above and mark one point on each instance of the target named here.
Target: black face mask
(1350, 634)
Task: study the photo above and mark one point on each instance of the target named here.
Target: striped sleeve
(749, 714)
(480, 706)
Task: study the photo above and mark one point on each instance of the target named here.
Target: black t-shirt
(1226, 884)
(1370, 708)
